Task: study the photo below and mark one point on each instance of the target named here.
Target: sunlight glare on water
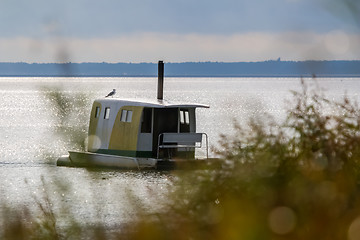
(29, 146)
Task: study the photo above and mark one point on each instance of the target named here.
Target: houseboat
(125, 133)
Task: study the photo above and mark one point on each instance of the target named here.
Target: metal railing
(182, 140)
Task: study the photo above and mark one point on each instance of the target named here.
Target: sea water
(29, 144)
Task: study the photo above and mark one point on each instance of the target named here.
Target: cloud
(150, 47)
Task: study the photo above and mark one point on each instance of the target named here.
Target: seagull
(112, 93)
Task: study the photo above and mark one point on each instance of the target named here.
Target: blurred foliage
(19, 222)
(295, 180)
(49, 217)
(347, 10)
(71, 115)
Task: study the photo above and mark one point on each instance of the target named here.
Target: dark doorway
(146, 120)
(165, 121)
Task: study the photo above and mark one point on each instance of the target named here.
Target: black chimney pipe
(160, 80)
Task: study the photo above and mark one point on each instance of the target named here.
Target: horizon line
(270, 60)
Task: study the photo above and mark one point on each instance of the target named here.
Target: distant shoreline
(186, 76)
(265, 69)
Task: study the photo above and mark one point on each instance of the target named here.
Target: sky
(39, 31)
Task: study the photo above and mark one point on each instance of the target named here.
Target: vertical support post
(160, 91)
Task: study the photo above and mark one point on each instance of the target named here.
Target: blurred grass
(293, 180)
(70, 116)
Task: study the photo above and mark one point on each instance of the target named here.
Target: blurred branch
(344, 9)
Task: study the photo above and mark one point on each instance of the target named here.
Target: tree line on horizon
(271, 68)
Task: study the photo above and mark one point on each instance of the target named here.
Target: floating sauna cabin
(140, 134)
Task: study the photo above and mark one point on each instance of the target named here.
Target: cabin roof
(151, 103)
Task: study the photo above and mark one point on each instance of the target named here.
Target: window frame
(97, 112)
(107, 113)
(123, 115)
(184, 116)
(126, 115)
(129, 115)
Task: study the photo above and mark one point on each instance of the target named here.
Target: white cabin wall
(192, 119)
(104, 128)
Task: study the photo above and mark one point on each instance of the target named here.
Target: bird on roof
(112, 93)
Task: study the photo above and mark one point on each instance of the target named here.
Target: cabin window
(146, 120)
(184, 120)
(97, 112)
(187, 119)
(184, 117)
(123, 116)
(107, 113)
(126, 116)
